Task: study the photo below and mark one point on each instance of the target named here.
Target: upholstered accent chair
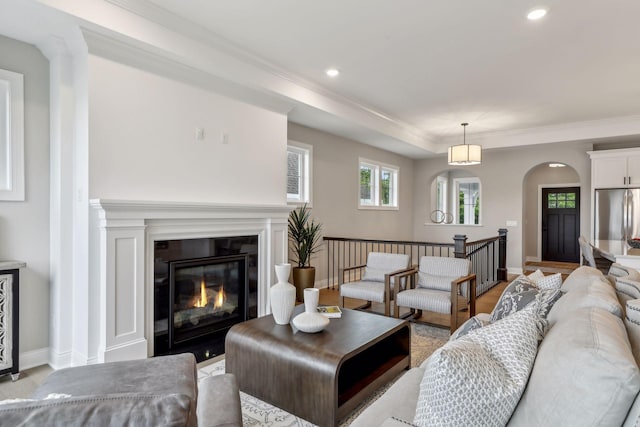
(377, 279)
(439, 289)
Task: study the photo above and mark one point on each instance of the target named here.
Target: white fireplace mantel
(127, 232)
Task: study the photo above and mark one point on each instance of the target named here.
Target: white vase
(311, 298)
(282, 295)
(310, 321)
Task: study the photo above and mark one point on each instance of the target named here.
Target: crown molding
(566, 132)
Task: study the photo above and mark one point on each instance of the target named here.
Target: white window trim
(445, 196)
(456, 187)
(307, 178)
(14, 164)
(378, 167)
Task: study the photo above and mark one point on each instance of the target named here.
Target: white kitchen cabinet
(615, 168)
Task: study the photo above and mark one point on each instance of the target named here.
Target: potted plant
(305, 240)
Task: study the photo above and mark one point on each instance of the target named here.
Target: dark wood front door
(560, 224)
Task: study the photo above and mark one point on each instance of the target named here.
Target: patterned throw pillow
(479, 378)
(470, 325)
(519, 294)
(552, 281)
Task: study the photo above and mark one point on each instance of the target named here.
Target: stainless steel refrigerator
(617, 214)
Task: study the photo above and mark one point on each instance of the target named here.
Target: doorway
(560, 224)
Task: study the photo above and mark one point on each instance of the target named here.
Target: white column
(122, 293)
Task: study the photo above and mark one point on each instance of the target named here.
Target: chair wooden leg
(341, 301)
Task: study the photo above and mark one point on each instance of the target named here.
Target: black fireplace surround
(202, 287)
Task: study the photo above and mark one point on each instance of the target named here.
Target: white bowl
(310, 322)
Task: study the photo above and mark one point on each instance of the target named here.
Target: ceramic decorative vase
(282, 295)
(310, 321)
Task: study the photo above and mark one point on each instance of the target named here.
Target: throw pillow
(552, 281)
(479, 378)
(470, 325)
(536, 275)
(519, 294)
(515, 296)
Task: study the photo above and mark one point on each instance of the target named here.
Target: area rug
(424, 341)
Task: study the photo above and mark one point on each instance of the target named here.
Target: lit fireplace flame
(220, 298)
(202, 301)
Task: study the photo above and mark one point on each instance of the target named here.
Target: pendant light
(465, 154)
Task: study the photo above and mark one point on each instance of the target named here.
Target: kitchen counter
(619, 251)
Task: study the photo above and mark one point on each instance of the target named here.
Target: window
(468, 191)
(561, 200)
(11, 136)
(378, 185)
(441, 194)
(299, 172)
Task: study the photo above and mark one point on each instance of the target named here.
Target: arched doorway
(552, 213)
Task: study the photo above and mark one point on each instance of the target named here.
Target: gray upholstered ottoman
(161, 391)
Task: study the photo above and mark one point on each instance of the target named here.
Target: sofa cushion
(438, 272)
(577, 277)
(632, 323)
(479, 378)
(379, 264)
(134, 409)
(584, 374)
(619, 270)
(626, 289)
(595, 291)
(430, 281)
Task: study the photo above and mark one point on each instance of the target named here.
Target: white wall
(336, 180)
(24, 226)
(142, 143)
(501, 174)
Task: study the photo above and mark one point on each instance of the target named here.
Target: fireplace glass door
(206, 295)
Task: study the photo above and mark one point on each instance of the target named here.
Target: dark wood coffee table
(318, 377)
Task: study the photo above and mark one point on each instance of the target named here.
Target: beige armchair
(439, 289)
(377, 280)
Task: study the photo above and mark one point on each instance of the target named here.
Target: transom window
(299, 172)
(561, 200)
(378, 185)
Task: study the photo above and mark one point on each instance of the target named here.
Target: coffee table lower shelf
(318, 377)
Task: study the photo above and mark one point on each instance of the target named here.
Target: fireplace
(202, 288)
(132, 243)
(206, 295)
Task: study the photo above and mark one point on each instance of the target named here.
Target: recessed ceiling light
(332, 72)
(536, 14)
(556, 165)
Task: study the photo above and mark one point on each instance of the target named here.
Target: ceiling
(425, 66)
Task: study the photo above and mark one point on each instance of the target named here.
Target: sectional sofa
(583, 372)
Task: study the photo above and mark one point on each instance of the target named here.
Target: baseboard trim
(514, 270)
(533, 259)
(59, 360)
(33, 358)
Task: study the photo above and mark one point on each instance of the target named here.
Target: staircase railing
(488, 256)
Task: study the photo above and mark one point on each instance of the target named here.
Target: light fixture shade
(465, 154)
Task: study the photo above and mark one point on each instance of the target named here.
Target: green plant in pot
(305, 240)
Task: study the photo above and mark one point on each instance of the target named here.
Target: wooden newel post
(502, 254)
(460, 246)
